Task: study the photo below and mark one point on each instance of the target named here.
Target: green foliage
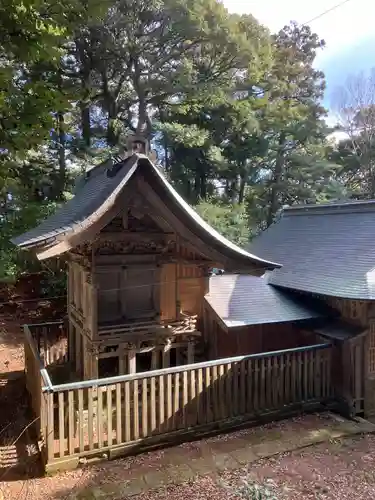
(233, 111)
(229, 220)
(53, 283)
(15, 221)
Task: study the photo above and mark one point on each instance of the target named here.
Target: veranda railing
(107, 416)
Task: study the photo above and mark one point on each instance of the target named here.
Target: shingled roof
(99, 191)
(324, 249)
(243, 300)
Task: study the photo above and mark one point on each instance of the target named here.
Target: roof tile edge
(331, 208)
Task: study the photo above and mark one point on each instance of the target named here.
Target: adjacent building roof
(324, 249)
(337, 329)
(242, 300)
(100, 189)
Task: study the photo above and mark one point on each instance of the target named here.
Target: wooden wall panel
(168, 292)
(251, 339)
(109, 294)
(191, 295)
(354, 311)
(191, 288)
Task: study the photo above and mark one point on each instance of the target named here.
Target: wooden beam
(124, 236)
(53, 251)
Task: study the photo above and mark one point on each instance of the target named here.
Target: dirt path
(18, 451)
(11, 346)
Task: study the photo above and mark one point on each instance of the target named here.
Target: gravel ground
(341, 470)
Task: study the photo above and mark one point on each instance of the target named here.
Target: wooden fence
(112, 416)
(50, 341)
(37, 379)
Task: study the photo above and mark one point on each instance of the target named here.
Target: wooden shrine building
(139, 259)
(327, 254)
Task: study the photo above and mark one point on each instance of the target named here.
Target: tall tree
(198, 126)
(294, 116)
(152, 55)
(354, 104)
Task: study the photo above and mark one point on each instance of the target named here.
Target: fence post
(50, 437)
(340, 375)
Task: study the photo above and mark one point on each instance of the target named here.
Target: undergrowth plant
(250, 490)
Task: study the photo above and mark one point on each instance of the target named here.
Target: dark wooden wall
(239, 341)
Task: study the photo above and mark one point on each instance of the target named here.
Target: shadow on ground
(19, 457)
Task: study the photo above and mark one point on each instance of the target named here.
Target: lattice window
(371, 351)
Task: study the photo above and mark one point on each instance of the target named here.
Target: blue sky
(348, 31)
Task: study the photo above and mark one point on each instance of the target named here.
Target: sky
(348, 31)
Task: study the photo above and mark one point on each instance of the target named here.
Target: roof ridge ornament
(139, 144)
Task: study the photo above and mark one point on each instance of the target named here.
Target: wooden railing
(37, 379)
(108, 416)
(50, 341)
(186, 324)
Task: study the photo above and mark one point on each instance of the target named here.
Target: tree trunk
(83, 53)
(197, 187)
(165, 142)
(85, 121)
(144, 123)
(233, 191)
(277, 175)
(203, 187)
(85, 107)
(61, 156)
(166, 154)
(241, 191)
(112, 135)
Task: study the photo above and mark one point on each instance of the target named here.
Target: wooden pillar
(78, 357)
(71, 342)
(178, 356)
(94, 366)
(166, 361)
(86, 358)
(70, 284)
(122, 357)
(155, 358)
(91, 306)
(77, 289)
(132, 361)
(190, 352)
